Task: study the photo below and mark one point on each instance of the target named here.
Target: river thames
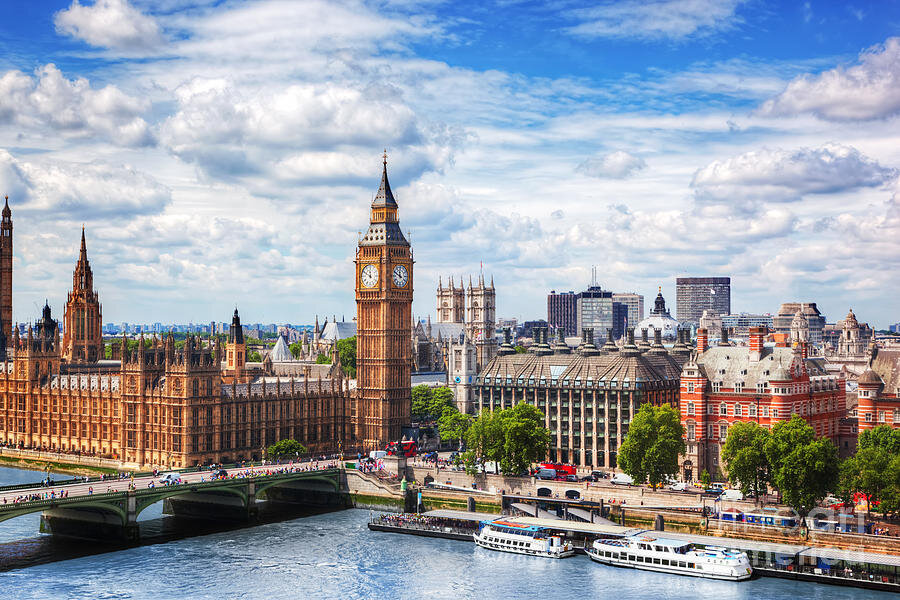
(330, 555)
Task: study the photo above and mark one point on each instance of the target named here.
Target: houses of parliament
(156, 404)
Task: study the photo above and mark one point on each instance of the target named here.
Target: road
(73, 490)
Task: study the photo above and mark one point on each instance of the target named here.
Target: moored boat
(667, 555)
(507, 536)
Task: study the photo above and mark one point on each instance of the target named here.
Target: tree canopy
(652, 445)
(347, 351)
(513, 438)
(454, 425)
(802, 467)
(744, 455)
(285, 448)
(428, 404)
(875, 469)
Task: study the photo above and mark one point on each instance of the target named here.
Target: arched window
(195, 387)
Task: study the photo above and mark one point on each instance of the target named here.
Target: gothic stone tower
(451, 305)
(235, 351)
(481, 319)
(384, 291)
(6, 250)
(82, 335)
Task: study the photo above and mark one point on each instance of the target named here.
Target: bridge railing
(53, 502)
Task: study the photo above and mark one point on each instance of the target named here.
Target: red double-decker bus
(561, 469)
(407, 448)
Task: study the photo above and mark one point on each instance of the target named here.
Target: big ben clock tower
(384, 291)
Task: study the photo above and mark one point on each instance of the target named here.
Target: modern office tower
(634, 303)
(693, 295)
(562, 312)
(596, 310)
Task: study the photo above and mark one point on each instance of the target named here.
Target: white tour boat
(667, 555)
(507, 536)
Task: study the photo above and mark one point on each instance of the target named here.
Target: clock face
(369, 276)
(400, 276)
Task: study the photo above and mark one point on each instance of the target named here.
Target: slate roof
(649, 370)
(886, 364)
(281, 352)
(338, 330)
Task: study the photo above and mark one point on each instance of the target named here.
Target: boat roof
(660, 541)
(502, 522)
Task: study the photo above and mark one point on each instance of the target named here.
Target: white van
(170, 479)
(377, 454)
(678, 486)
(733, 495)
(622, 479)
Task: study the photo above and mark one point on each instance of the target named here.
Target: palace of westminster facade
(161, 405)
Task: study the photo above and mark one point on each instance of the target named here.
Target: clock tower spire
(384, 290)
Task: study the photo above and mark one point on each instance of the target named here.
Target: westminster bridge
(108, 508)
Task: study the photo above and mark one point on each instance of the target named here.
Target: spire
(384, 197)
(6, 212)
(83, 255)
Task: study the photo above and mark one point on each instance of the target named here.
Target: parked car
(713, 492)
(571, 477)
(678, 486)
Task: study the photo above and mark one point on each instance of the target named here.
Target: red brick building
(726, 384)
(879, 391)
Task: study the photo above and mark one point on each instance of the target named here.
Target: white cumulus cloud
(868, 90)
(778, 175)
(71, 108)
(80, 191)
(615, 165)
(111, 24)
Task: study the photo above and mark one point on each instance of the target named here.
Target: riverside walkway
(107, 508)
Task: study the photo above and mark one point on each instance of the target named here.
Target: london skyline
(209, 162)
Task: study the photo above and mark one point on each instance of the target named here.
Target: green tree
(883, 436)
(875, 469)
(484, 440)
(453, 424)
(296, 349)
(521, 350)
(285, 449)
(253, 356)
(652, 445)
(803, 468)
(323, 359)
(785, 437)
(744, 455)
(347, 351)
(421, 401)
(705, 478)
(441, 398)
(807, 474)
(525, 439)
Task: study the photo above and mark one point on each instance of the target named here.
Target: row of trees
(874, 470)
(803, 468)
(789, 458)
(512, 438)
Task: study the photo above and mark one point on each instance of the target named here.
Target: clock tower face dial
(400, 276)
(369, 276)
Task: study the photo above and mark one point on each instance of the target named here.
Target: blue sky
(224, 153)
